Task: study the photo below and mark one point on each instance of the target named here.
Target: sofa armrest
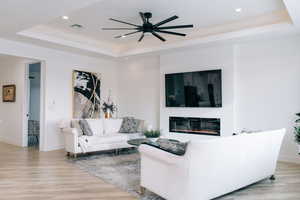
(160, 155)
(72, 131)
(71, 139)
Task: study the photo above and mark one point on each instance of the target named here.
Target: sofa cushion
(112, 126)
(107, 139)
(130, 125)
(96, 126)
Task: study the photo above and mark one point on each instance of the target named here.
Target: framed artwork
(9, 93)
(86, 95)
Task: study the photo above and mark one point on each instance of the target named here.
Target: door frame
(27, 104)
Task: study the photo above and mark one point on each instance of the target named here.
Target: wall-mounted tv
(194, 89)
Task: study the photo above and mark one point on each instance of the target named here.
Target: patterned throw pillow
(85, 127)
(130, 125)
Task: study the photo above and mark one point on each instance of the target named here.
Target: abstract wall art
(86, 94)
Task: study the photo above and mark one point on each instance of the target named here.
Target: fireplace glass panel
(200, 126)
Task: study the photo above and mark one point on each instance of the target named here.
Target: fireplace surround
(193, 125)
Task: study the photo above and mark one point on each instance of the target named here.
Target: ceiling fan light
(238, 10)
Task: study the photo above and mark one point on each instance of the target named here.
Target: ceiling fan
(148, 27)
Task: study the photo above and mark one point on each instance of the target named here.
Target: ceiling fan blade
(142, 36)
(143, 17)
(166, 21)
(127, 34)
(174, 27)
(120, 29)
(158, 36)
(124, 22)
(169, 32)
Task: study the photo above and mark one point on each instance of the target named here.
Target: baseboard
(291, 159)
(4, 140)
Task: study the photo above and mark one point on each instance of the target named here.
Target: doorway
(34, 101)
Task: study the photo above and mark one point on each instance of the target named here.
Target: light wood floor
(285, 187)
(31, 175)
(26, 174)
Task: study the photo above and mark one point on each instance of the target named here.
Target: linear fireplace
(192, 125)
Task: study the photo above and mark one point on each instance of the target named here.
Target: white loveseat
(106, 136)
(211, 168)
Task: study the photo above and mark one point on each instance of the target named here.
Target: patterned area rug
(122, 170)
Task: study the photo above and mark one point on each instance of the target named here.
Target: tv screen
(194, 89)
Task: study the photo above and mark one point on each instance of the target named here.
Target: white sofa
(211, 168)
(105, 136)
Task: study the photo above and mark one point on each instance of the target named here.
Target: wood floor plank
(26, 174)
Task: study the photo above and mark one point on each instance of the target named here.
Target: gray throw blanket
(168, 145)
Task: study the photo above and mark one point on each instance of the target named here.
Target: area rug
(121, 170)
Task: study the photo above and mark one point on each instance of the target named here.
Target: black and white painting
(86, 94)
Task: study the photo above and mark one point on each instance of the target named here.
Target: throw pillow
(129, 125)
(85, 127)
(75, 124)
(141, 127)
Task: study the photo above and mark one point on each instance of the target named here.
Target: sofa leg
(142, 190)
(273, 178)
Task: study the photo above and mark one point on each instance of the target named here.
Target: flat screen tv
(194, 89)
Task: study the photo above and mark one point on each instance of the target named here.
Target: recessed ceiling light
(65, 17)
(238, 10)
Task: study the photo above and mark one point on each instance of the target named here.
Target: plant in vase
(297, 131)
(109, 108)
(152, 134)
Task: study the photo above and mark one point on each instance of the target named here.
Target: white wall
(260, 85)
(268, 88)
(12, 71)
(139, 88)
(58, 82)
(198, 59)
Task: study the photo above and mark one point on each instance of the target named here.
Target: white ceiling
(40, 21)
(201, 13)
(18, 15)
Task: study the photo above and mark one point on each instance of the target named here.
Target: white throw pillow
(96, 126)
(112, 125)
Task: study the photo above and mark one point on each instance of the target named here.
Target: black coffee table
(138, 142)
